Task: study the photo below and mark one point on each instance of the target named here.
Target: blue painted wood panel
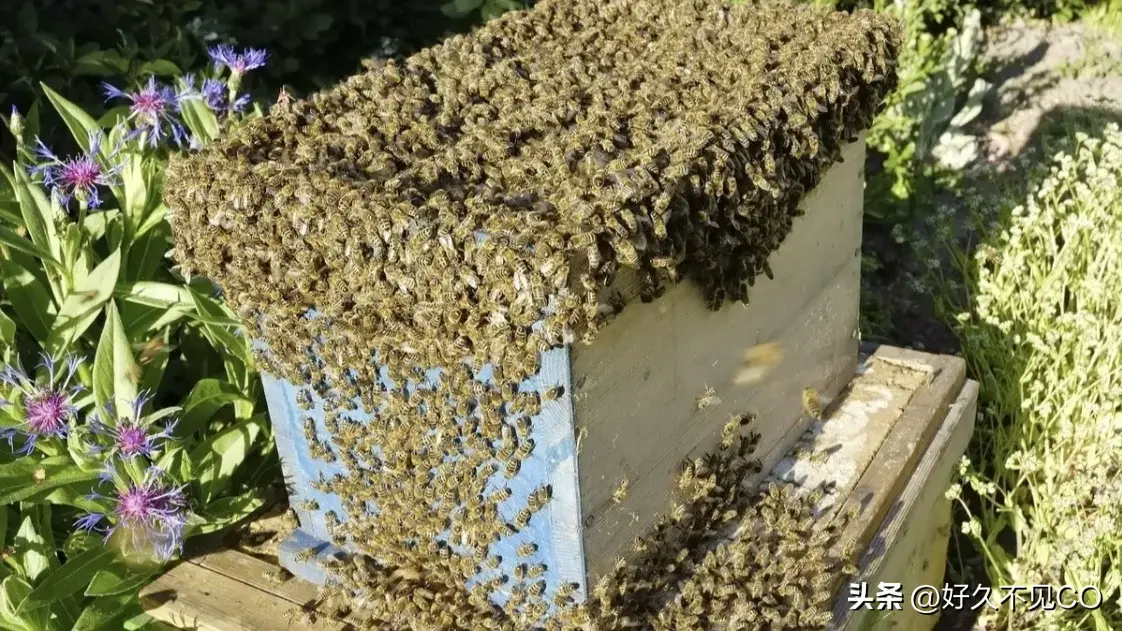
(557, 529)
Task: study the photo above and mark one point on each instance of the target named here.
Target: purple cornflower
(238, 63)
(78, 176)
(46, 409)
(149, 515)
(216, 95)
(154, 108)
(131, 435)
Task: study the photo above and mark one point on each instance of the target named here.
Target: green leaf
(221, 337)
(118, 579)
(7, 332)
(115, 372)
(9, 212)
(153, 294)
(72, 577)
(81, 307)
(136, 194)
(160, 68)
(95, 224)
(154, 218)
(177, 464)
(12, 592)
(75, 254)
(228, 511)
(200, 120)
(75, 495)
(147, 252)
(38, 213)
(31, 549)
(102, 612)
(80, 453)
(21, 488)
(217, 457)
(101, 63)
(31, 301)
(140, 320)
(13, 240)
(112, 117)
(205, 399)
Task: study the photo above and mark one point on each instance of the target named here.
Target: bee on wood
(276, 576)
(708, 398)
(526, 549)
(620, 493)
(305, 555)
(812, 404)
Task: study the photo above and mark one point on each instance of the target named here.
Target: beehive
(525, 200)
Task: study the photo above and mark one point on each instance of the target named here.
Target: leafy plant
(934, 72)
(1042, 488)
(102, 434)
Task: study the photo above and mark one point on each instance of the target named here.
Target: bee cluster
(429, 222)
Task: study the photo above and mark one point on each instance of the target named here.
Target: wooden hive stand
(888, 444)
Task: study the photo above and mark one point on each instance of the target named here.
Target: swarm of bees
(471, 208)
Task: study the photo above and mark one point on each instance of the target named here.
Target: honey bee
(276, 576)
(539, 498)
(553, 393)
(620, 493)
(708, 398)
(525, 448)
(305, 555)
(731, 431)
(522, 519)
(758, 362)
(812, 404)
(526, 549)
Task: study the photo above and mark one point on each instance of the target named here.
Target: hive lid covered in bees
(512, 172)
(473, 207)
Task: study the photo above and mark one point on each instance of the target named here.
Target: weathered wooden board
(909, 548)
(632, 395)
(191, 596)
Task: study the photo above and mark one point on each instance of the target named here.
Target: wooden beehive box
(385, 215)
(631, 399)
(890, 444)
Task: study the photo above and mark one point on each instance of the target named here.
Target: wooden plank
(242, 567)
(916, 528)
(190, 596)
(637, 385)
(888, 474)
(837, 450)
